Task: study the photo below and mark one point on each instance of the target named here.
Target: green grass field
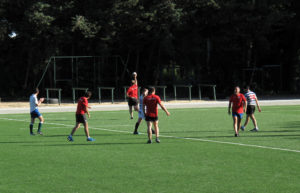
(197, 153)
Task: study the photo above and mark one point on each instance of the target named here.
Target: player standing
(239, 105)
(82, 109)
(132, 94)
(150, 110)
(34, 111)
(141, 112)
(252, 101)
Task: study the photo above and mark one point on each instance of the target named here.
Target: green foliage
(202, 37)
(88, 29)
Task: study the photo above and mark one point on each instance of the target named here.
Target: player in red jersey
(239, 106)
(132, 94)
(150, 110)
(82, 109)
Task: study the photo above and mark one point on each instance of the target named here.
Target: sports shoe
(243, 128)
(254, 130)
(149, 141)
(131, 117)
(236, 135)
(135, 133)
(90, 139)
(157, 140)
(32, 134)
(70, 138)
(40, 133)
(153, 132)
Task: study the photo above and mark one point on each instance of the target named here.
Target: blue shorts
(141, 115)
(238, 115)
(35, 114)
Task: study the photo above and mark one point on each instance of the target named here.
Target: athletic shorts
(132, 102)
(141, 114)
(250, 109)
(152, 119)
(35, 114)
(238, 115)
(81, 118)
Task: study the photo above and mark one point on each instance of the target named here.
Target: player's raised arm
(134, 74)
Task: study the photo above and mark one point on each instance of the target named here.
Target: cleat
(254, 130)
(70, 138)
(32, 134)
(153, 132)
(157, 140)
(40, 133)
(90, 139)
(131, 117)
(135, 133)
(243, 128)
(149, 141)
(236, 135)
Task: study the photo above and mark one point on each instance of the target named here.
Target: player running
(239, 105)
(132, 94)
(252, 101)
(141, 113)
(150, 110)
(82, 109)
(34, 111)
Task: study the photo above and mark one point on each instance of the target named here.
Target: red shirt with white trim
(133, 91)
(82, 105)
(237, 103)
(151, 102)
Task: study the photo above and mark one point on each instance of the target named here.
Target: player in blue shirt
(252, 102)
(34, 111)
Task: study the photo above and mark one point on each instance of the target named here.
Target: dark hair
(247, 87)
(151, 90)
(35, 90)
(88, 94)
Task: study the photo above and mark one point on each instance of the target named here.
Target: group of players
(147, 106)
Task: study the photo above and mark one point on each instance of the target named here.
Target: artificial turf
(192, 155)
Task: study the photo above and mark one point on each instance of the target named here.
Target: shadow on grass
(190, 131)
(279, 131)
(84, 144)
(241, 135)
(291, 125)
(18, 142)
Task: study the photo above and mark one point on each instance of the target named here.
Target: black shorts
(81, 118)
(132, 102)
(152, 119)
(250, 109)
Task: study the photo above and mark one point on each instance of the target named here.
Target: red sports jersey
(81, 106)
(151, 102)
(133, 91)
(237, 102)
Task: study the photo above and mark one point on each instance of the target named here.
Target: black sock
(31, 128)
(40, 127)
(136, 126)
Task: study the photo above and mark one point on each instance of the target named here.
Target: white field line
(174, 137)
